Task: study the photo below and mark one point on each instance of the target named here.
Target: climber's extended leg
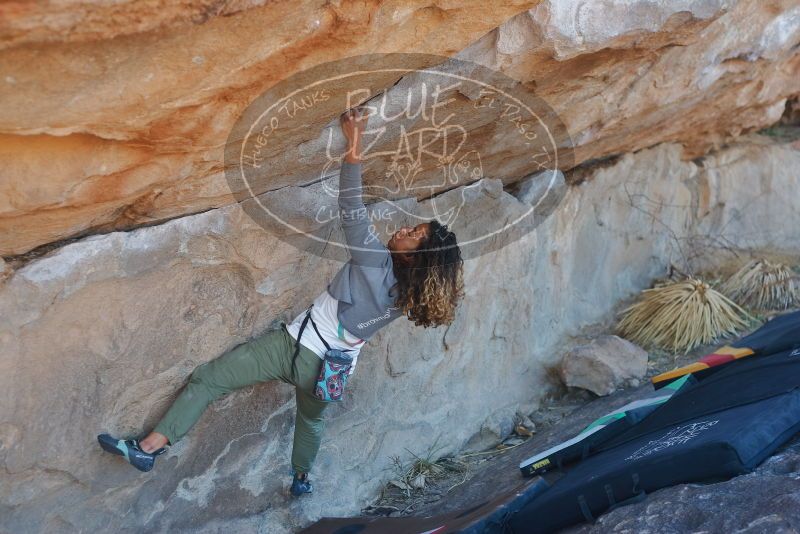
(308, 428)
(309, 422)
(258, 360)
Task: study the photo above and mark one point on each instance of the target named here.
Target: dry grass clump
(423, 469)
(764, 285)
(679, 316)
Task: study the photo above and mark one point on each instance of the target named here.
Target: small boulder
(418, 481)
(495, 428)
(603, 365)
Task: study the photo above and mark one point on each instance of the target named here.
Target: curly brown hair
(432, 284)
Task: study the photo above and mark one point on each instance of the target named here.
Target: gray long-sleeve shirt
(362, 286)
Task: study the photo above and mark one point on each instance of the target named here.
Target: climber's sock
(130, 450)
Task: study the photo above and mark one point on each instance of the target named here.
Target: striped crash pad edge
(720, 356)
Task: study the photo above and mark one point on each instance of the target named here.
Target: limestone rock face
(100, 335)
(603, 365)
(134, 129)
(626, 75)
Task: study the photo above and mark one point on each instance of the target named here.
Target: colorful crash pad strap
(718, 357)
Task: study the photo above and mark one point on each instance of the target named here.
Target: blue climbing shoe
(129, 448)
(301, 485)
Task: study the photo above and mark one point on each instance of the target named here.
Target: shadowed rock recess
(127, 261)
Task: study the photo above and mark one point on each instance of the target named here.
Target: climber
(419, 274)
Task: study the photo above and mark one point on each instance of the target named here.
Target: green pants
(267, 357)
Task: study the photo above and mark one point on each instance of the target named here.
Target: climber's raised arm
(363, 241)
(354, 122)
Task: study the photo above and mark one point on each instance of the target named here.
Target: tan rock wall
(107, 125)
(150, 106)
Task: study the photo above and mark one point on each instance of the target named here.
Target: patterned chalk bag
(334, 367)
(333, 373)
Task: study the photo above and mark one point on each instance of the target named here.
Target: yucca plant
(679, 316)
(764, 285)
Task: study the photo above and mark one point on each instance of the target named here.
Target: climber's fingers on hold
(353, 122)
(356, 114)
(363, 114)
